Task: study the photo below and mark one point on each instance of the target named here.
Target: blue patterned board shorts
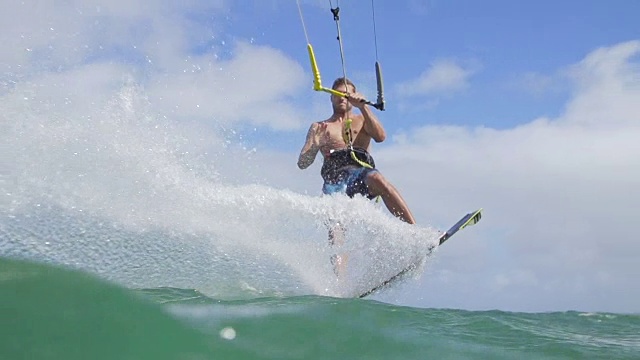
(349, 180)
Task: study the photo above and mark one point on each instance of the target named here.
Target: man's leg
(336, 239)
(336, 236)
(379, 186)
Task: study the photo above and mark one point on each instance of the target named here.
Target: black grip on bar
(380, 101)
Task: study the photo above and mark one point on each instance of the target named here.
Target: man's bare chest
(341, 131)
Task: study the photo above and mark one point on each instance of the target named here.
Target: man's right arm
(310, 148)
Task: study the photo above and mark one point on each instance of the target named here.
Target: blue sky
(527, 109)
(506, 42)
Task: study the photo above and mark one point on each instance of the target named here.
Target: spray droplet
(228, 333)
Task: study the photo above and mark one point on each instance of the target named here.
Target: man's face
(340, 103)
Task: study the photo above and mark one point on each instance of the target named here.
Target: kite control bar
(317, 82)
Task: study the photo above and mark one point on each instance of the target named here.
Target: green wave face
(49, 312)
(53, 313)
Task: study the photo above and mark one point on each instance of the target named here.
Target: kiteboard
(469, 219)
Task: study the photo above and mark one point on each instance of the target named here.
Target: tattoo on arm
(310, 149)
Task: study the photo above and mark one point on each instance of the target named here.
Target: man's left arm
(372, 125)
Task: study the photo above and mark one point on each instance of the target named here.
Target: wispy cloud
(443, 77)
(420, 7)
(539, 84)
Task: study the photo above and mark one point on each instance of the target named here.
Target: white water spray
(122, 192)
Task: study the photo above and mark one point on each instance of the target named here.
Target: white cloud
(608, 84)
(559, 194)
(442, 77)
(237, 89)
(75, 44)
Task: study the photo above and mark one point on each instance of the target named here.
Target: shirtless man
(344, 140)
(349, 167)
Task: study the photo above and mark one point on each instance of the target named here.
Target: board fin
(469, 219)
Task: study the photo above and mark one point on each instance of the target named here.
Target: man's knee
(377, 181)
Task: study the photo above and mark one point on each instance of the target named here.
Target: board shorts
(351, 181)
(343, 174)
